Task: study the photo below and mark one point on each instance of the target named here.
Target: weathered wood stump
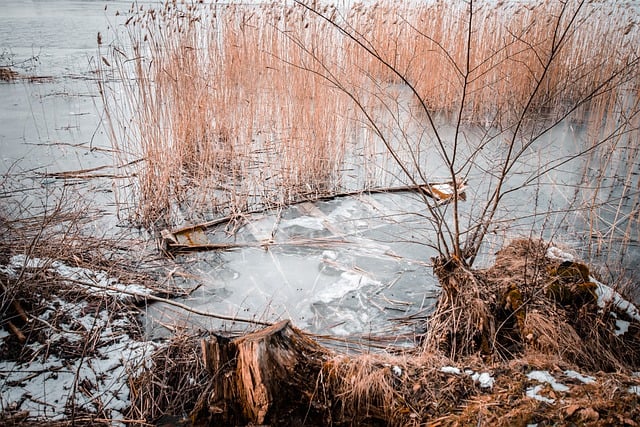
(267, 377)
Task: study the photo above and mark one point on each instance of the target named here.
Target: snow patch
(532, 392)
(586, 379)
(46, 386)
(450, 370)
(484, 379)
(50, 383)
(557, 254)
(622, 327)
(397, 370)
(96, 282)
(546, 377)
(607, 295)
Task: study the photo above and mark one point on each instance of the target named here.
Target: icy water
(343, 267)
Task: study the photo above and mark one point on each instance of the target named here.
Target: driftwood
(256, 379)
(194, 237)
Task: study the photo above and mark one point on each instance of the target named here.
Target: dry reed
(236, 106)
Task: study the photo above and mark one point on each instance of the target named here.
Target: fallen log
(194, 237)
(267, 377)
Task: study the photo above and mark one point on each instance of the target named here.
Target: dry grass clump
(225, 119)
(169, 388)
(45, 241)
(527, 302)
(7, 74)
(381, 389)
(603, 402)
(233, 107)
(398, 391)
(55, 316)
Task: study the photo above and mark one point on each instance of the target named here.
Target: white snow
(557, 254)
(607, 295)
(45, 385)
(546, 377)
(532, 392)
(622, 326)
(397, 370)
(450, 370)
(634, 389)
(578, 376)
(484, 379)
(48, 384)
(97, 282)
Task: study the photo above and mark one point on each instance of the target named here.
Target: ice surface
(352, 281)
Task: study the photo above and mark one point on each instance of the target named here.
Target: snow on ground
(483, 379)
(533, 393)
(586, 379)
(451, 370)
(546, 377)
(48, 385)
(83, 360)
(557, 254)
(606, 294)
(97, 282)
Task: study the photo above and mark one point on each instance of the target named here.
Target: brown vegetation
(7, 74)
(236, 107)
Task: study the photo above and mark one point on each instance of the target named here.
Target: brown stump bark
(267, 377)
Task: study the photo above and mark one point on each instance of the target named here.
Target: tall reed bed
(234, 107)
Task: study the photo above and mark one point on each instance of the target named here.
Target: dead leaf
(571, 409)
(588, 414)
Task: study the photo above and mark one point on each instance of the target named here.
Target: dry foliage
(54, 316)
(233, 107)
(527, 301)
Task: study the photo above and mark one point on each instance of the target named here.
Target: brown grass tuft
(526, 302)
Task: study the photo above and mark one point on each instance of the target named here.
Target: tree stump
(267, 377)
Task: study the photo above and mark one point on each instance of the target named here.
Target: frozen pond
(335, 267)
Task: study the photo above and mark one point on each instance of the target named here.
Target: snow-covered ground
(83, 363)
